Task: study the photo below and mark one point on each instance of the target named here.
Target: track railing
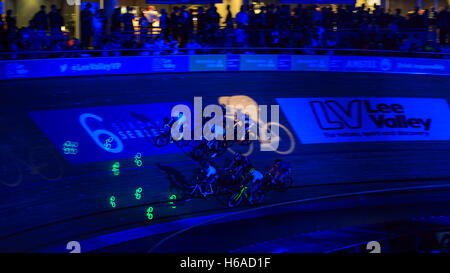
(167, 50)
(146, 41)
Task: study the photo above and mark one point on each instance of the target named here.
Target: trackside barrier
(70, 67)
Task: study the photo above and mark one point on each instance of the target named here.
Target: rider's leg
(253, 185)
(275, 177)
(283, 175)
(210, 181)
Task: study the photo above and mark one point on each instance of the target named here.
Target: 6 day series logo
(325, 120)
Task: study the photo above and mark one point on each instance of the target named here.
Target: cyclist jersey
(284, 166)
(257, 176)
(210, 171)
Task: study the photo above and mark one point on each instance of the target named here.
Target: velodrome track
(39, 215)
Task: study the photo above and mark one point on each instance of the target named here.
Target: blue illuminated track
(73, 204)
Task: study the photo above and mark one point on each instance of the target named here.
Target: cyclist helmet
(237, 156)
(277, 162)
(205, 164)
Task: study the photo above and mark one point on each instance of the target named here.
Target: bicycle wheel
(289, 181)
(259, 196)
(235, 200)
(247, 153)
(48, 165)
(288, 133)
(11, 174)
(162, 140)
(285, 184)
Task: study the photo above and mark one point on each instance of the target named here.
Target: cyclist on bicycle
(209, 172)
(254, 179)
(279, 170)
(238, 164)
(169, 122)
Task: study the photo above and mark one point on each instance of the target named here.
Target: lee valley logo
(324, 120)
(383, 115)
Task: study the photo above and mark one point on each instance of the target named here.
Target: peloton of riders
(240, 168)
(244, 173)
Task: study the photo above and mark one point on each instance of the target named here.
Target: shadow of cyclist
(178, 181)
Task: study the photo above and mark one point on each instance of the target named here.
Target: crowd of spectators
(308, 27)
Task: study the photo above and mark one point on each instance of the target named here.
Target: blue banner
(24, 69)
(331, 120)
(105, 133)
(259, 63)
(208, 63)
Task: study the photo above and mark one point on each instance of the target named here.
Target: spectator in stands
(228, 36)
(3, 37)
(172, 44)
(158, 46)
(430, 46)
(192, 46)
(229, 17)
(55, 19)
(98, 24)
(214, 20)
(164, 23)
(240, 36)
(10, 22)
(111, 43)
(272, 25)
(185, 21)
(201, 22)
(174, 22)
(116, 20)
(152, 16)
(443, 22)
(40, 19)
(242, 17)
(331, 41)
(86, 26)
(127, 20)
(144, 26)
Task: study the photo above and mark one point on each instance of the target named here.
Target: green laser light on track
(137, 194)
(149, 213)
(137, 159)
(172, 197)
(115, 168)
